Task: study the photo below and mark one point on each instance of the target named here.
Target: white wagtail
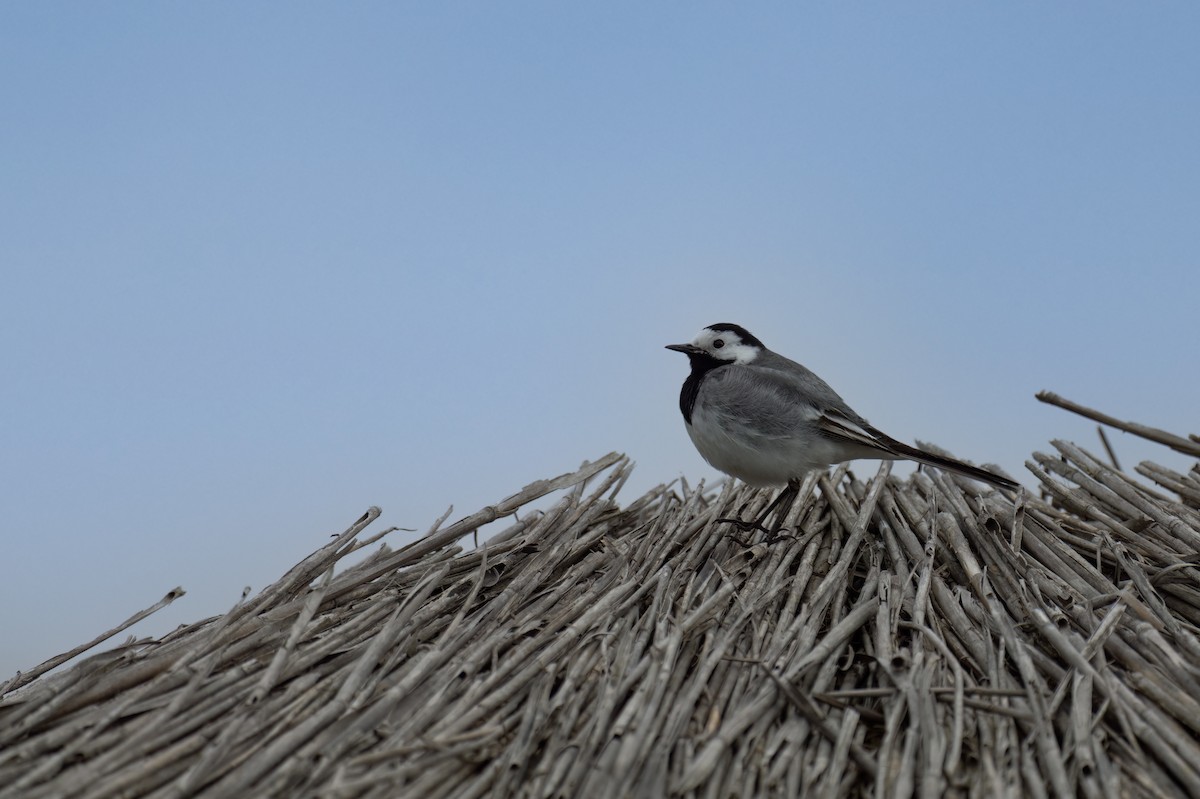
(768, 421)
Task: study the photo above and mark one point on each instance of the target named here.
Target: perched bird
(769, 421)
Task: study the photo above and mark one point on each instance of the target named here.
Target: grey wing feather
(852, 431)
(863, 434)
(790, 396)
(806, 384)
(757, 401)
(836, 420)
(776, 396)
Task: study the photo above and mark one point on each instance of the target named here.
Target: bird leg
(781, 506)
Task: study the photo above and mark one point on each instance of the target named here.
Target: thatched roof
(922, 635)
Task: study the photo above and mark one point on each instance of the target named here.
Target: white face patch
(725, 345)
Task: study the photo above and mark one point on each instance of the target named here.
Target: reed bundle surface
(923, 636)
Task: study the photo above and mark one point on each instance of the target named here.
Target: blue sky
(267, 264)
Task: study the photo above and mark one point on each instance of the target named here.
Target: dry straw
(913, 637)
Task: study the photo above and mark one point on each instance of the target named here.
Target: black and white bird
(768, 421)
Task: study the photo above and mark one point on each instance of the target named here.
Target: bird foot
(773, 536)
(776, 536)
(745, 526)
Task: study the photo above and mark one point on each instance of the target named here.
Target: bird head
(722, 343)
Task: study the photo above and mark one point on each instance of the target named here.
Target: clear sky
(265, 265)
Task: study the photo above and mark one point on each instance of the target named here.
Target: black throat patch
(702, 364)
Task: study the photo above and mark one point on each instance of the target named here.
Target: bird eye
(718, 344)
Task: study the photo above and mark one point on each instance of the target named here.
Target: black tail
(951, 465)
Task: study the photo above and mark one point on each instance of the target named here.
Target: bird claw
(772, 536)
(776, 537)
(745, 526)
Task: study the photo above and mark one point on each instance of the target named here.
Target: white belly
(761, 460)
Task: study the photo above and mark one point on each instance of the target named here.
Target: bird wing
(776, 402)
(850, 430)
(780, 397)
(847, 430)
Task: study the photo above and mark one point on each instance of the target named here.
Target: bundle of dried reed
(912, 636)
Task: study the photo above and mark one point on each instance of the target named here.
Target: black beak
(686, 349)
